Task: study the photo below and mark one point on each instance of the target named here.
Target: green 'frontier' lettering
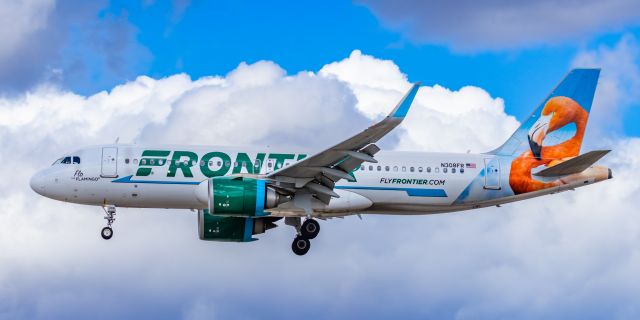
(225, 161)
(280, 158)
(178, 163)
(150, 159)
(252, 167)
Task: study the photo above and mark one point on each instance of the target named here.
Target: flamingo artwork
(557, 113)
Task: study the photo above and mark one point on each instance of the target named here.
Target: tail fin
(560, 119)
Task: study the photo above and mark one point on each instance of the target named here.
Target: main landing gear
(305, 232)
(110, 216)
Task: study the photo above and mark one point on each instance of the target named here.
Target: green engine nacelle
(236, 229)
(240, 197)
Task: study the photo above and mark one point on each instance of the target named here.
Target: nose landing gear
(110, 216)
(305, 232)
(107, 233)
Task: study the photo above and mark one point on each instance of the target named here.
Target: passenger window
(258, 164)
(453, 170)
(270, 164)
(404, 169)
(143, 161)
(361, 168)
(66, 160)
(76, 160)
(386, 168)
(395, 168)
(419, 169)
(202, 163)
(126, 160)
(437, 170)
(411, 169)
(461, 170)
(370, 168)
(428, 169)
(135, 161)
(444, 170)
(227, 163)
(379, 168)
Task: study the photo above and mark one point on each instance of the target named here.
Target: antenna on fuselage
(117, 139)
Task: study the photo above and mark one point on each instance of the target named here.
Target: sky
(305, 75)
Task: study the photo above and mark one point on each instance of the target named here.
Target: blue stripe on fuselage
(412, 192)
(127, 179)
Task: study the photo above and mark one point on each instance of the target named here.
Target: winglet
(403, 106)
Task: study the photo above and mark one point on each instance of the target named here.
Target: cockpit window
(68, 160)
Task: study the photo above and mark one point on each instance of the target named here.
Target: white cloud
(470, 116)
(619, 85)
(493, 25)
(556, 257)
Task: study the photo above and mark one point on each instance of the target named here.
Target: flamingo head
(537, 133)
(557, 113)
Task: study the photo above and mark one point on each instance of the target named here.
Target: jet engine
(234, 229)
(238, 196)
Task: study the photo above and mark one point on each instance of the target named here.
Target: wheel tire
(107, 233)
(310, 229)
(300, 246)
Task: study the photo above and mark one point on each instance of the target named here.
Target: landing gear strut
(110, 216)
(304, 232)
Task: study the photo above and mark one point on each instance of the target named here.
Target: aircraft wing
(318, 173)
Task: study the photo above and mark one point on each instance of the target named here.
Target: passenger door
(492, 174)
(109, 162)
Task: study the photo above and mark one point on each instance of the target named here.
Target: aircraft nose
(37, 183)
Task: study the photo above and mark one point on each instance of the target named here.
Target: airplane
(241, 192)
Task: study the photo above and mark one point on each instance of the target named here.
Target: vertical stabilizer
(561, 118)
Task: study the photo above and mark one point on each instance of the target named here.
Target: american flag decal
(471, 165)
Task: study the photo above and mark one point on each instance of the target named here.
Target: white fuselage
(400, 183)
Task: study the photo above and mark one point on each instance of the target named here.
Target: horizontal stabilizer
(574, 165)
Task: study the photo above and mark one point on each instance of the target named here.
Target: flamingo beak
(537, 134)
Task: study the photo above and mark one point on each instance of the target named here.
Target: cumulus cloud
(619, 85)
(544, 258)
(470, 116)
(66, 42)
(494, 25)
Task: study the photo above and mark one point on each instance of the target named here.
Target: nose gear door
(492, 174)
(109, 162)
